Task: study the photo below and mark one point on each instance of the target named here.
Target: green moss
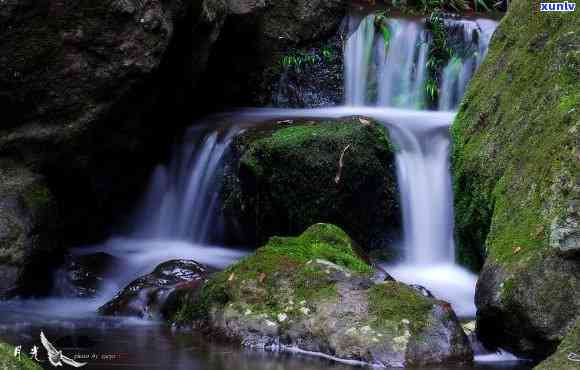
(9, 362)
(37, 196)
(514, 146)
(286, 179)
(392, 302)
(560, 359)
(255, 280)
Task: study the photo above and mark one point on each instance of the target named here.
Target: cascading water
(398, 67)
(356, 58)
(472, 39)
(182, 197)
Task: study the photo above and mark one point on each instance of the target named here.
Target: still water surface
(132, 344)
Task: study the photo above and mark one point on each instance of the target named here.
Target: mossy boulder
(290, 175)
(516, 164)
(10, 362)
(28, 231)
(566, 356)
(313, 293)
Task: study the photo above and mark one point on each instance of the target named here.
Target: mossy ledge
(314, 293)
(515, 164)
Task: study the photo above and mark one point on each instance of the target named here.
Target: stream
(178, 217)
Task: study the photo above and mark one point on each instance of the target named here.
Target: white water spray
(399, 62)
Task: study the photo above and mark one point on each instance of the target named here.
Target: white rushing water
(182, 199)
(387, 66)
(396, 60)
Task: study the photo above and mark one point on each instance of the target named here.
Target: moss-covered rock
(10, 362)
(515, 161)
(313, 293)
(28, 231)
(288, 176)
(566, 356)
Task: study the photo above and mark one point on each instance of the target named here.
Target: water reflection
(107, 343)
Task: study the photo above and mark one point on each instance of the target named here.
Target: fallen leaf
(365, 122)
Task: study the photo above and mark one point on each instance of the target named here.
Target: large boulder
(29, 244)
(516, 161)
(147, 296)
(290, 175)
(83, 90)
(312, 293)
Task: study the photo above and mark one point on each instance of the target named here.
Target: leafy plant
(439, 54)
(481, 3)
(299, 60)
(327, 53)
(382, 24)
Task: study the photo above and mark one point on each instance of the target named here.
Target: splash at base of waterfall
(448, 282)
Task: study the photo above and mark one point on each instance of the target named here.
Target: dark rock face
(313, 292)
(515, 163)
(308, 78)
(81, 89)
(83, 275)
(28, 231)
(531, 309)
(289, 176)
(146, 296)
(246, 63)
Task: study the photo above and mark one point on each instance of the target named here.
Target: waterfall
(357, 57)
(182, 199)
(401, 65)
(472, 39)
(398, 68)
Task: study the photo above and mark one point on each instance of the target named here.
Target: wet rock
(83, 275)
(312, 292)
(28, 231)
(288, 176)
(421, 289)
(529, 310)
(146, 296)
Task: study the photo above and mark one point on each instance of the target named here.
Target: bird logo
(55, 357)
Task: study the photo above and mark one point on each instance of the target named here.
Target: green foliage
(382, 24)
(439, 54)
(298, 60)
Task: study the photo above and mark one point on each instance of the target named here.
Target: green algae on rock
(10, 362)
(313, 293)
(28, 230)
(288, 176)
(566, 356)
(515, 163)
